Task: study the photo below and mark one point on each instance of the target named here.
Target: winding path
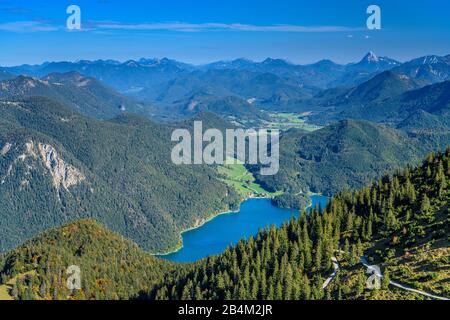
(333, 275)
(376, 269)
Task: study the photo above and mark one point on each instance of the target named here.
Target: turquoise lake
(227, 229)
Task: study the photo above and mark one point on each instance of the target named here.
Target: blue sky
(200, 31)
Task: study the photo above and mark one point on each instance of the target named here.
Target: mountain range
(134, 75)
(86, 176)
(162, 87)
(395, 106)
(429, 68)
(239, 89)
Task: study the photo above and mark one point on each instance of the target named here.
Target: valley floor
(236, 175)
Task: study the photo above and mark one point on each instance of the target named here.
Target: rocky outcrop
(6, 148)
(63, 174)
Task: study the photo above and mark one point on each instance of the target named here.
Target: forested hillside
(401, 223)
(344, 155)
(58, 166)
(85, 95)
(287, 263)
(433, 99)
(5, 75)
(232, 108)
(111, 267)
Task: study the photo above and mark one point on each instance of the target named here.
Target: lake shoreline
(222, 213)
(310, 195)
(206, 220)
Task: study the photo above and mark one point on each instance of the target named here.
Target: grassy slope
(414, 247)
(5, 289)
(238, 177)
(4, 292)
(423, 268)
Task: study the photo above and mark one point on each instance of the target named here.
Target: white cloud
(197, 27)
(27, 26)
(36, 26)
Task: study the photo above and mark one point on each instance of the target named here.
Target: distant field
(238, 177)
(285, 121)
(278, 120)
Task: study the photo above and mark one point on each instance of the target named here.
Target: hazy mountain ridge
(273, 84)
(229, 107)
(433, 99)
(432, 69)
(122, 76)
(84, 94)
(144, 72)
(324, 73)
(4, 75)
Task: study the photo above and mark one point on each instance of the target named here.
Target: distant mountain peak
(271, 61)
(242, 61)
(131, 63)
(372, 63)
(154, 61)
(21, 79)
(108, 61)
(83, 61)
(431, 59)
(431, 68)
(233, 64)
(325, 62)
(370, 57)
